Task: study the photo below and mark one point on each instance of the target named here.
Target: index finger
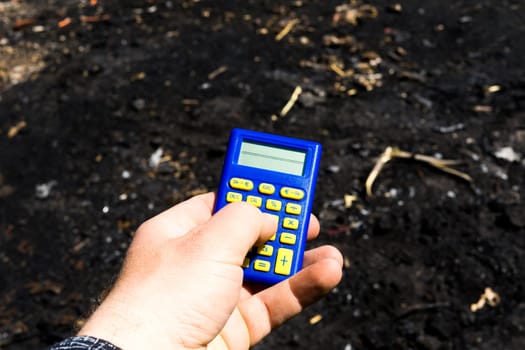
(179, 219)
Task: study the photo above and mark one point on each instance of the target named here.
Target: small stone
(154, 159)
(43, 191)
(334, 169)
(39, 29)
(465, 19)
(508, 154)
(139, 104)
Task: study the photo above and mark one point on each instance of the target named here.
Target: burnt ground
(90, 90)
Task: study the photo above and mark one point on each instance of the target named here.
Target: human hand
(181, 283)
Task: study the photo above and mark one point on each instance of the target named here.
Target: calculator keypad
(277, 254)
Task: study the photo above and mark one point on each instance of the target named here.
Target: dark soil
(123, 79)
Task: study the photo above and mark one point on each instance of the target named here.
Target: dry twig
(295, 95)
(217, 72)
(342, 73)
(287, 28)
(394, 152)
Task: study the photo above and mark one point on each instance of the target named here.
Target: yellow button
(290, 223)
(273, 237)
(233, 197)
(246, 263)
(241, 184)
(272, 204)
(266, 250)
(292, 208)
(283, 263)
(253, 200)
(287, 238)
(261, 265)
(292, 193)
(266, 188)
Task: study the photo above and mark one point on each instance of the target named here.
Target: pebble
(43, 191)
(38, 29)
(508, 154)
(154, 159)
(334, 169)
(139, 104)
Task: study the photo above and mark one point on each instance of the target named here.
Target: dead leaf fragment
(354, 11)
(489, 296)
(38, 287)
(138, 76)
(333, 40)
(65, 22)
(349, 200)
(94, 19)
(482, 109)
(21, 23)
(315, 319)
(14, 130)
(491, 89)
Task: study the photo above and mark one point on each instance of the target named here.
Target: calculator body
(277, 174)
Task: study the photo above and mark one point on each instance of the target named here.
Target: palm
(223, 314)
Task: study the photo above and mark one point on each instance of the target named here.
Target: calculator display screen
(271, 157)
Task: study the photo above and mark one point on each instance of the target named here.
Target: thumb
(232, 231)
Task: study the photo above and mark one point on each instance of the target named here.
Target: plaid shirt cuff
(84, 343)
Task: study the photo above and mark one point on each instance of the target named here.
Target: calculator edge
(314, 157)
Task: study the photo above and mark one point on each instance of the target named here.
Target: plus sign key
(283, 263)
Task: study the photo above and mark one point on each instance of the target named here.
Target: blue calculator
(276, 174)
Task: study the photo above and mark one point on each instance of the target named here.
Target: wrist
(128, 328)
